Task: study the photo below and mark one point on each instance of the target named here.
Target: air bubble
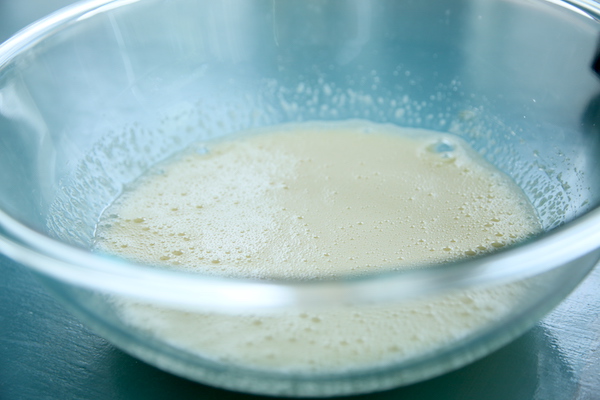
(201, 150)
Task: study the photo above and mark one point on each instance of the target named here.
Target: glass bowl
(95, 94)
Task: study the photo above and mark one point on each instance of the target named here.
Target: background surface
(45, 353)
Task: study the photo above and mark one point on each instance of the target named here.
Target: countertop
(45, 353)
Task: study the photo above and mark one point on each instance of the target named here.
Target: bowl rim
(108, 274)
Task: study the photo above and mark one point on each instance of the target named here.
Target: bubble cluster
(312, 201)
(331, 340)
(318, 200)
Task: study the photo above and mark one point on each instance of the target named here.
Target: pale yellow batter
(320, 200)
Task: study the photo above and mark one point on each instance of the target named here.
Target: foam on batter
(312, 201)
(318, 200)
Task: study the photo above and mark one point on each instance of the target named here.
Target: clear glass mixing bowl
(92, 96)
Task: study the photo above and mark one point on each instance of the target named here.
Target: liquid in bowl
(317, 201)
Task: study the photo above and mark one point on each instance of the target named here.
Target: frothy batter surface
(318, 200)
(313, 201)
